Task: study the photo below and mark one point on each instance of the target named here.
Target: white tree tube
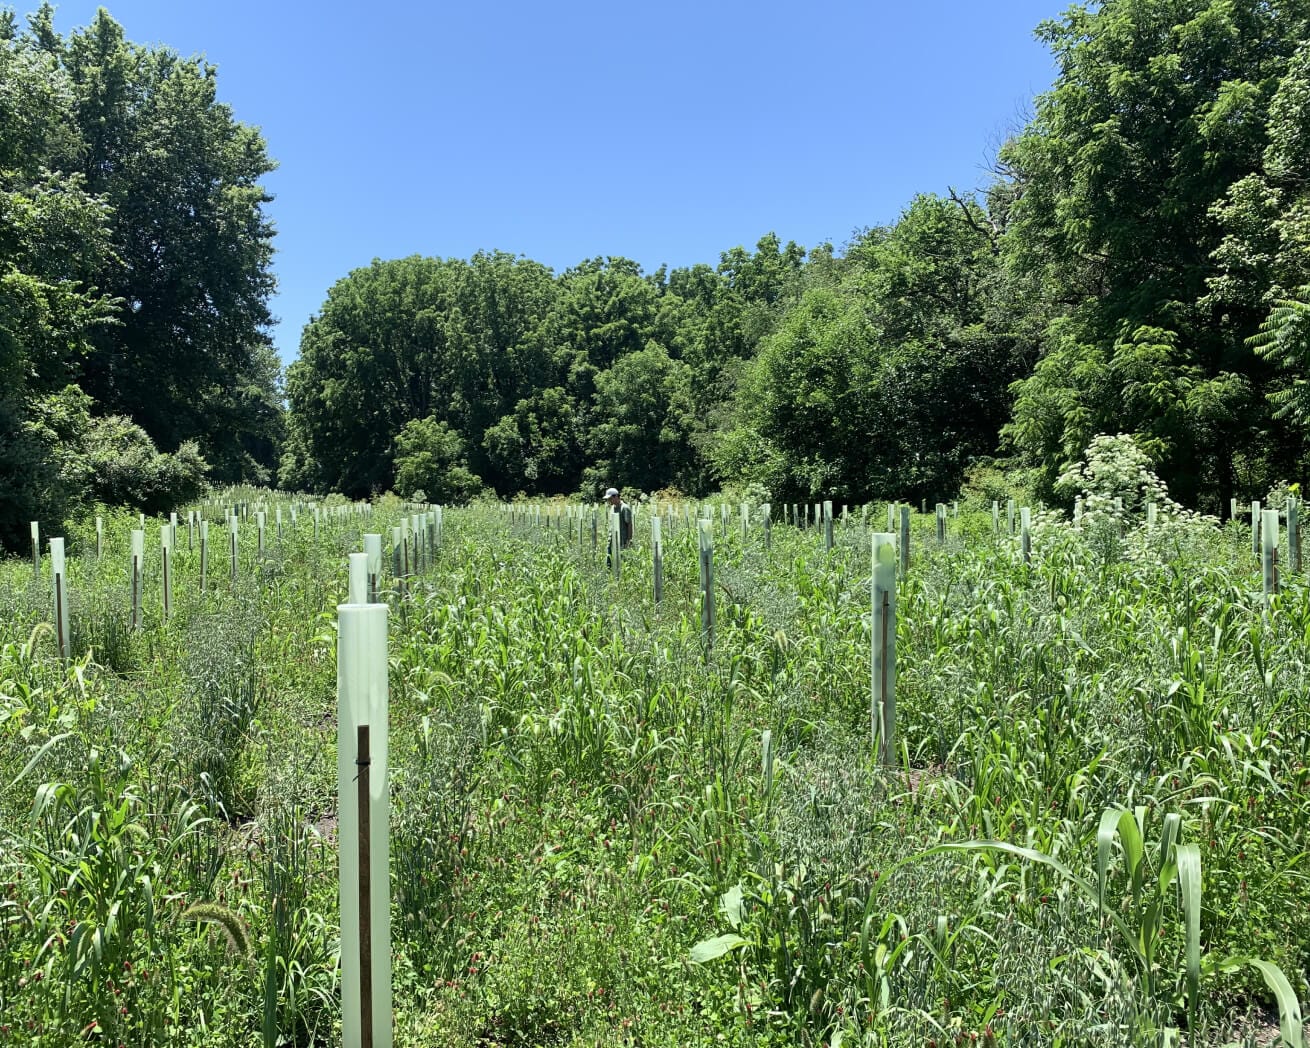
(883, 662)
(36, 550)
(61, 596)
(1293, 535)
(657, 557)
(233, 536)
(100, 537)
(1025, 534)
(1269, 550)
(904, 544)
(362, 701)
(373, 550)
(1255, 527)
(204, 553)
(358, 593)
(138, 564)
(707, 581)
(166, 569)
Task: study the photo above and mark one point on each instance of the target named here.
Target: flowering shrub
(1114, 485)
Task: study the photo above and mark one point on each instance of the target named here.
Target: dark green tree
(537, 448)
(411, 339)
(430, 463)
(1148, 194)
(191, 249)
(53, 240)
(645, 418)
(888, 377)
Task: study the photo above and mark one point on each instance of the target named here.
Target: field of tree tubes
(606, 831)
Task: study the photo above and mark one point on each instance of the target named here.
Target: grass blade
(1188, 857)
(1289, 1009)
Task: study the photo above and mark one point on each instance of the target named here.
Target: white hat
(611, 492)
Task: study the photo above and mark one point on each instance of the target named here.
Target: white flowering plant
(1114, 486)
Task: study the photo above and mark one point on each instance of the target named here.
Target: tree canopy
(1139, 263)
(134, 270)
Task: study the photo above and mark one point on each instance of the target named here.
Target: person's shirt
(625, 524)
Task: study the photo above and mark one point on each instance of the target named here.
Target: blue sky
(665, 133)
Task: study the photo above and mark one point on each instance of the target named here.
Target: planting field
(606, 831)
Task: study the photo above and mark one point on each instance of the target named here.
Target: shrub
(127, 470)
(430, 458)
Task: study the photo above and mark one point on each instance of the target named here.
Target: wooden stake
(365, 891)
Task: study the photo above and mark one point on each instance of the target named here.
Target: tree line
(1119, 274)
(1138, 263)
(135, 362)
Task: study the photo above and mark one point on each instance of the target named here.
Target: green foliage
(1284, 337)
(133, 263)
(536, 447)
(547, 381)
(645, 418)
(188, 358)
(888, 382)
(1153, 199)
(582, 793)
(430, 460)
(408, 340)
(126, 470)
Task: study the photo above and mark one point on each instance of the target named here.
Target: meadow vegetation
(604, 832)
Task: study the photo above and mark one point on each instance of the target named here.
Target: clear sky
(663, 132)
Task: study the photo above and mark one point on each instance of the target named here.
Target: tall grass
(1095, 833)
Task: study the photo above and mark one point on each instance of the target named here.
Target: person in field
(615, 501)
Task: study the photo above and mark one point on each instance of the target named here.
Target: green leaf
(713, 949)
(1188, 857)
(731, 904)
(1289, 1009)
(1104, 840)
(36, 757)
